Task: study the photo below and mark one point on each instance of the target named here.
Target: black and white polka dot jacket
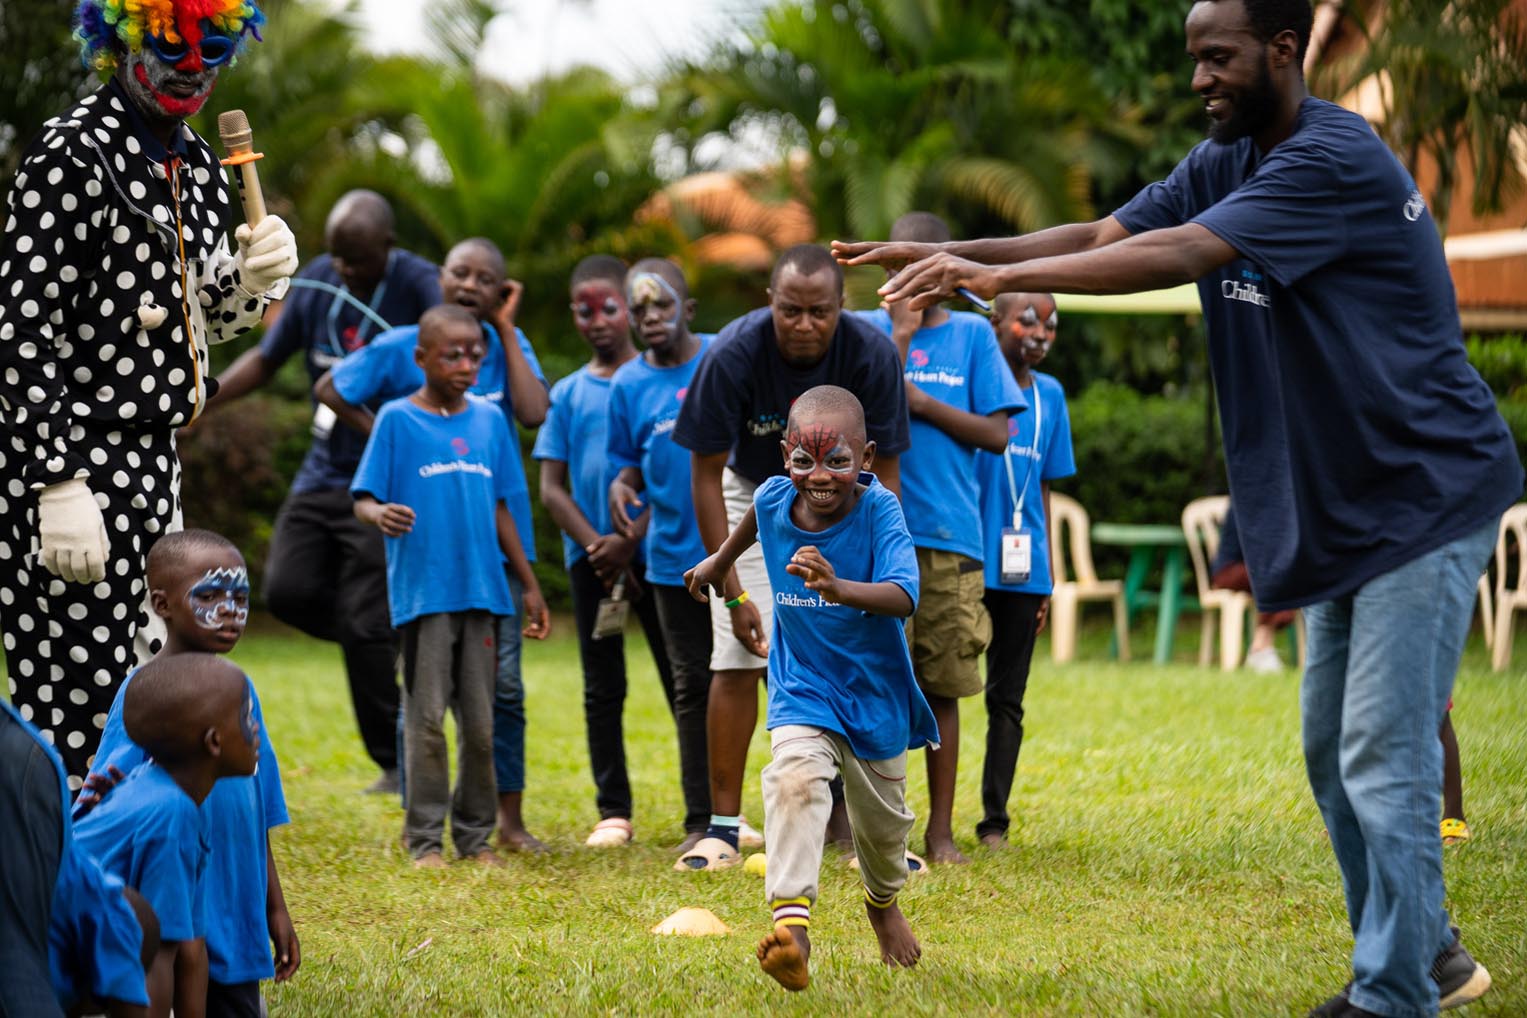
(92, 321)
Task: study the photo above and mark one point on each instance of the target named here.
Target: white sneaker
(1264, 661)
(748, 836)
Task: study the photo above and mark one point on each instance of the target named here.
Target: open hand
(283, 935)
(510, 304)
(891, 254)
(395, 519)
(623, 498)
(816, 571)
(936, 278)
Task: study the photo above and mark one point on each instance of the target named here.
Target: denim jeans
(1380, 671)
(509, 698)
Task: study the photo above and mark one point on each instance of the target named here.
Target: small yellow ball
(756, 864)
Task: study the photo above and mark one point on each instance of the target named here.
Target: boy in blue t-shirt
(1015, 508)
(959, 396)
(575, 481)
(645, 396)
(842, 696)
(199, 586)
(473, 276)
(194, 716)
(435, 479)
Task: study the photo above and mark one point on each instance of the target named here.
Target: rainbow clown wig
(105, 28)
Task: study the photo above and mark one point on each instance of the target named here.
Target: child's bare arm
(393, 518)
(716, 570)
(537, 619)
(191, 979)
(883, 598)
(357, 417)
(279, 921)
(625, 491)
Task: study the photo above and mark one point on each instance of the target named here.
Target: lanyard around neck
(1028, 472)
(369, 310)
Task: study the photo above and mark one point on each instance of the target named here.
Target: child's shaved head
(825, 401)
(487, 247)
(173, 700)
(667, 270)
(443, 319)
(173, 553)
(601, 267)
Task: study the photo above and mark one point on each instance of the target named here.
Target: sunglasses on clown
(215, 50)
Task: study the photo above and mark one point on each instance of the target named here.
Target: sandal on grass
(1454, 831)
(708, 854)
(915, 863)
(611, 832)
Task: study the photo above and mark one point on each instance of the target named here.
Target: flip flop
(611, 832)
(915, 863)
(709, 854)
(1454, 831)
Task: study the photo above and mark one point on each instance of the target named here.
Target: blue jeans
(508, 704)
(1380, 670)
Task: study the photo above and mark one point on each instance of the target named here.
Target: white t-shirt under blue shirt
(1357, 435)
(1024, 466)
(957, 362)
(385, 370)
(832, 666)
(452, 472)
(644, 406)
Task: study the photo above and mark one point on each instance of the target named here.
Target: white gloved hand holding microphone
(72, 532)
(267, 254)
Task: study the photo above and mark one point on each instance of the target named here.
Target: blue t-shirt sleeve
(551, 440)
(1289, 216)
(895, 557)
(992, 386)
(1060, 461)
(620, 440)
(116, 749)
(363, 375)
(94, 938)
(374, 475)
(268, 776)
(169, 878)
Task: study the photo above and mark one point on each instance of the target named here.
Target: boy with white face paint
(199, 586)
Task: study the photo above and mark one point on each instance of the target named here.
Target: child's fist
(395, 519)
(816, 571)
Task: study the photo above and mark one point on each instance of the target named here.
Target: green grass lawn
(1168, 860)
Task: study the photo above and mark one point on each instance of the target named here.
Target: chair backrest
(1201, 519)
(1070, 530)
(1512, 525)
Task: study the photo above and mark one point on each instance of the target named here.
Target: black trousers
(604, 686)
(233, 1000)
(327, 576)
(1014, 622)
(68, 646)
(687, 634)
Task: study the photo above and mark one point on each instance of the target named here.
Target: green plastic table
(1146, 543)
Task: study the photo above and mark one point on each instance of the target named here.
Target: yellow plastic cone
(692, 922)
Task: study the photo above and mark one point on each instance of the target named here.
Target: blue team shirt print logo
(918, 358)
(459, 446)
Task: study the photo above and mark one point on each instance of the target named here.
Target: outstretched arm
(1057, 240)
(713, 572)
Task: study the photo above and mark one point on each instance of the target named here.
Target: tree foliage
(40, 74)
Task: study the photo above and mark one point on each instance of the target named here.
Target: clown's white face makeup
(164, 91)
(219, 598)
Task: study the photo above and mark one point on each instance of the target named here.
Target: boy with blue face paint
(199, 586)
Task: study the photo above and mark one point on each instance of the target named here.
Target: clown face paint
(220, 597)
(599, 312)
(163, 90)
(824, 465)
(656, 309)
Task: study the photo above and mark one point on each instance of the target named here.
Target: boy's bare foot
(996, 842)
(690, 841)
(942, 851)
(520, 840)
(783, 955)
(898, 946)
(487, 857)
(430, 861)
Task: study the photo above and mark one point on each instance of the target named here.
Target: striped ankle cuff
(874, 901)
(792, 911)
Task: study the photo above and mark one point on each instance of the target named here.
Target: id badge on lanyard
(1017, 551)
(1017, 555)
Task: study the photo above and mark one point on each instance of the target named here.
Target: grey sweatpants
(449, 661)
(796, 805)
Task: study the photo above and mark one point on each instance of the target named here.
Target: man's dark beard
(1250, 110)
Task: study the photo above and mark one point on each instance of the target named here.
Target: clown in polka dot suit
(115, 274)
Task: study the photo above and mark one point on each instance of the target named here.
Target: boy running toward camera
(842, 696)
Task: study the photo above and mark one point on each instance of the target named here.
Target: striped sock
(724, 828)
(875, 901)
(792, 911)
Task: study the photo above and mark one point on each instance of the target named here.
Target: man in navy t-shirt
(732, 422)
(1366, 456)
(326, 573)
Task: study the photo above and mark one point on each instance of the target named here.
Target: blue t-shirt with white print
(239, 810)
(959, 363)
(1023, 467)
(832, 666)
(452, 472)
(644, 407)
(1357, 435)
(385, 370)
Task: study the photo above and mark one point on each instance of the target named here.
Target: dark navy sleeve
(168, 877)
(1163, 204)
(712, 412)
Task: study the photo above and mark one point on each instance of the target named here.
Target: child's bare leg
(1452, 776)
(730, 717)
(511, 825)
(942, 766)
(784, 953)
(898, 946)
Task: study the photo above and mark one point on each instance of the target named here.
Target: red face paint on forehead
(816, 439)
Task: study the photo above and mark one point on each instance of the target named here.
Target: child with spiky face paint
(199, 586)
(842, 696)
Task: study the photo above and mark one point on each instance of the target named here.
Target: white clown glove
(267, 254)
(72, 532)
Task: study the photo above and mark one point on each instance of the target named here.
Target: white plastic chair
(1201, 519)
(1509, 598)
(1071, 530)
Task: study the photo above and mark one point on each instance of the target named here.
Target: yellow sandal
(1454, 831)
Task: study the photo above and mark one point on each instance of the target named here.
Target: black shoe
(386, 784)
(1460, 979)
(1334, 1007)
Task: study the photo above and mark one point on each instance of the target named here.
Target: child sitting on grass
(199, 586)
(842, 696)
(193, 715)
(436, 479)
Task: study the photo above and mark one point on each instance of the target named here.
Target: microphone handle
(250, 194)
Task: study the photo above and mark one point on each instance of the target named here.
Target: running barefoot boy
(842, 697)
